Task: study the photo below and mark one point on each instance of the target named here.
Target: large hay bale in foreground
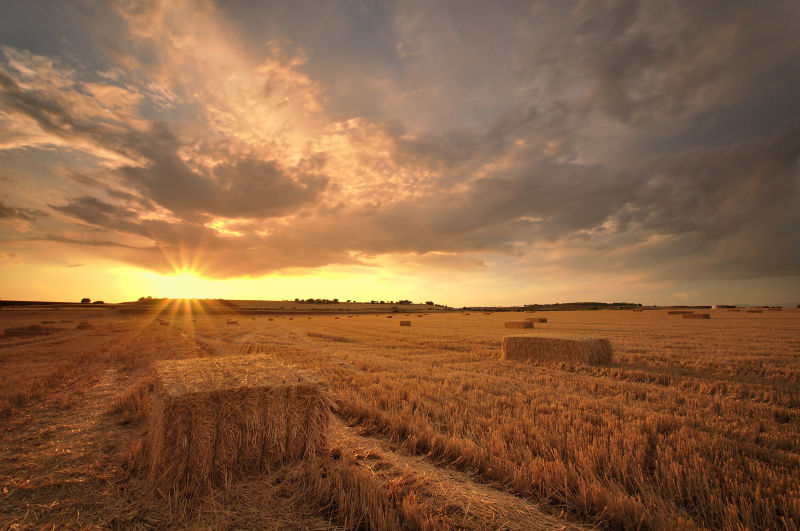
(532, 348)
(536, 319)
(214, 419)
(405, 323)
(519, 324)
(696, 316)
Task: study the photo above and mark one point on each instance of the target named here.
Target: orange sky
(467, 153)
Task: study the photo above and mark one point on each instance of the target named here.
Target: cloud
(567, 138)
(24, 214)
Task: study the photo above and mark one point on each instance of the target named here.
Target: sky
(465, 152)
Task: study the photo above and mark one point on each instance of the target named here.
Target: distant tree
(336, 301)
(429, 303)
(86, 300)
(405, 301)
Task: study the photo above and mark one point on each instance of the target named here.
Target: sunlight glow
(185, 284)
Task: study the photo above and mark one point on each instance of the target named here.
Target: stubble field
(695, 423)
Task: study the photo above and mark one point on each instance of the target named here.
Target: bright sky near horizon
(466, 152)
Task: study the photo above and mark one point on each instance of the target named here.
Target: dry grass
(30, 330)
(688, 427)
(679, 312)
(528, 348)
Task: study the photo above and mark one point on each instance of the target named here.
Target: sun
(183, 284)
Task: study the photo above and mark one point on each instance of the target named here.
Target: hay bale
(638, 310)
(405, 323)
(388, 316)
(215, 419)
(678, 312)
(48, 322)
(519, 324)
(536, 319)
(734, 309)
(593, 351)
(755, 311)
(84, 325)
(696, 316)
(65, 321)
(163, 323)
(233, 321)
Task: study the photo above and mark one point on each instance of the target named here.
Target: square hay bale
(696, 316)
(214, 419)
(405, 323)
(755, 311)
(536, 319)
(532, 348)
(233, 321)
(163, 323)
(519, 324)
(678, 312)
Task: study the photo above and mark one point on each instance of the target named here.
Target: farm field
(695, 424)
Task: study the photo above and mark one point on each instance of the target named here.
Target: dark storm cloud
(247, 188)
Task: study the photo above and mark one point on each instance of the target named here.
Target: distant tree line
(336, 301)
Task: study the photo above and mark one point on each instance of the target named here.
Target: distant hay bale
(233, 321)
(270, 319)
(696, 316)
(65, 321)
(593, 351)
(638, 310)
(678, 312)
(388, 316)
(536, 319)
(216, 419)
(734, 309)
(519, 324)
(291, 318)
(755, 311)
(84, 325)
(405, 323)
(163, 323)
(774, 309)
(48, 322)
